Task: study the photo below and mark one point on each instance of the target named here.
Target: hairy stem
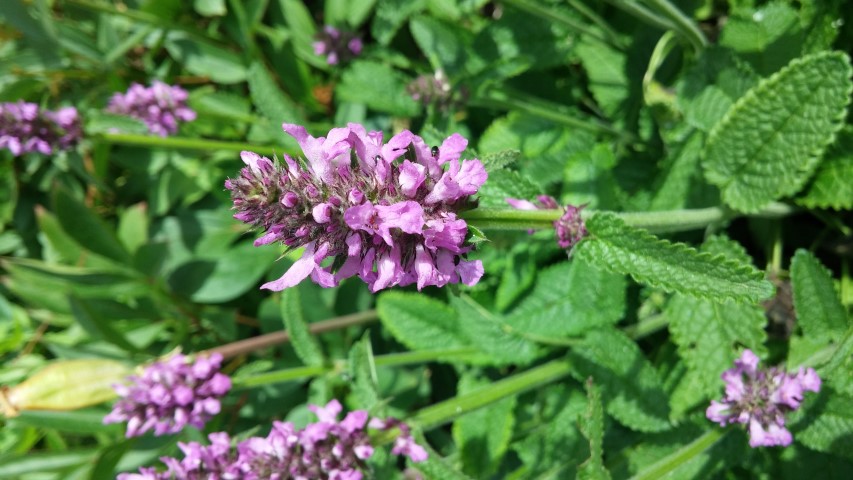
(684, 25)
(185, 143)
(655, 222)
(668, 464)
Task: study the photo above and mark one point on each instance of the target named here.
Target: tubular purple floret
(355, 201)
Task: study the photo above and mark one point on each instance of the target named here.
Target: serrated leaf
(838, 368)
(710, 334)
(828, 425)
(419, 322)
(555, 448)
(674, 267)
(771, 140)
(506, 183)
(569, 299)
(378, 86)
(832, 186)
(681, 176)
(306, 346)
(592, 426)
(490, 334)
(501, 159)
(819, 311)
(631, 389)
(268, 97)
(483, 436)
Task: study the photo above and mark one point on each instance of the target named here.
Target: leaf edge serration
(813, 158)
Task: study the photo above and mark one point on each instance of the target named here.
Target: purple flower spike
(338, 46)
(160, 106)
(170, 395)
(760, 398)
(25, 128)
(355, 201)
(569, 227)
(329, 449)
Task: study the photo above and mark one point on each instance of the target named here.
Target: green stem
(537, 9)
(185, 143)
(390, 360)
(444, 412)
(596, 19)
(638, 11)
(506, 98)
(668, 464)
(655, 222)
(647, 326)
(684, 25)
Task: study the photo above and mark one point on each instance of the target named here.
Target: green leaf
(609, 80)
(133, 227)
(832, 186)
(592, 427)
(98, 325)
(674, 267)
(444, 45)
(838, 368)
(570, 298)
(390, 16)
(490, 334)
(710, 87)
(224, 278)
(483, 435)
(268, 97)
(103, 122)
(505, 183)
(75, 421)
(8, 191)
(210, 8)
(555, 447)
(768, 37)
(304, 343)
(498, 160)
(710, 334)
(828, 424)
(819, 311)
(435, 467)
(207, 59)
(420, 322)
(87, 228)
(363, 372)
(771, 140)
(378, 86)
(681, 177)
(12, 466)
(632, 392)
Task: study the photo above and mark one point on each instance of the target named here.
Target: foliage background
(125, 248)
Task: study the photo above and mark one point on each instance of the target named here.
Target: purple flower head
(385, 212)
(25, 128)
(570, 228)
(760, 398)
(161, 106)
(329, 449)
(171, 394)
(338, 46)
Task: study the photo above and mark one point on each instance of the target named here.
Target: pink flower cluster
(170, 395)
(328, 449)
(354, 202)
(25, 128)
(569, 227)
(761, 398)
(160, 106)
(338, 46)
